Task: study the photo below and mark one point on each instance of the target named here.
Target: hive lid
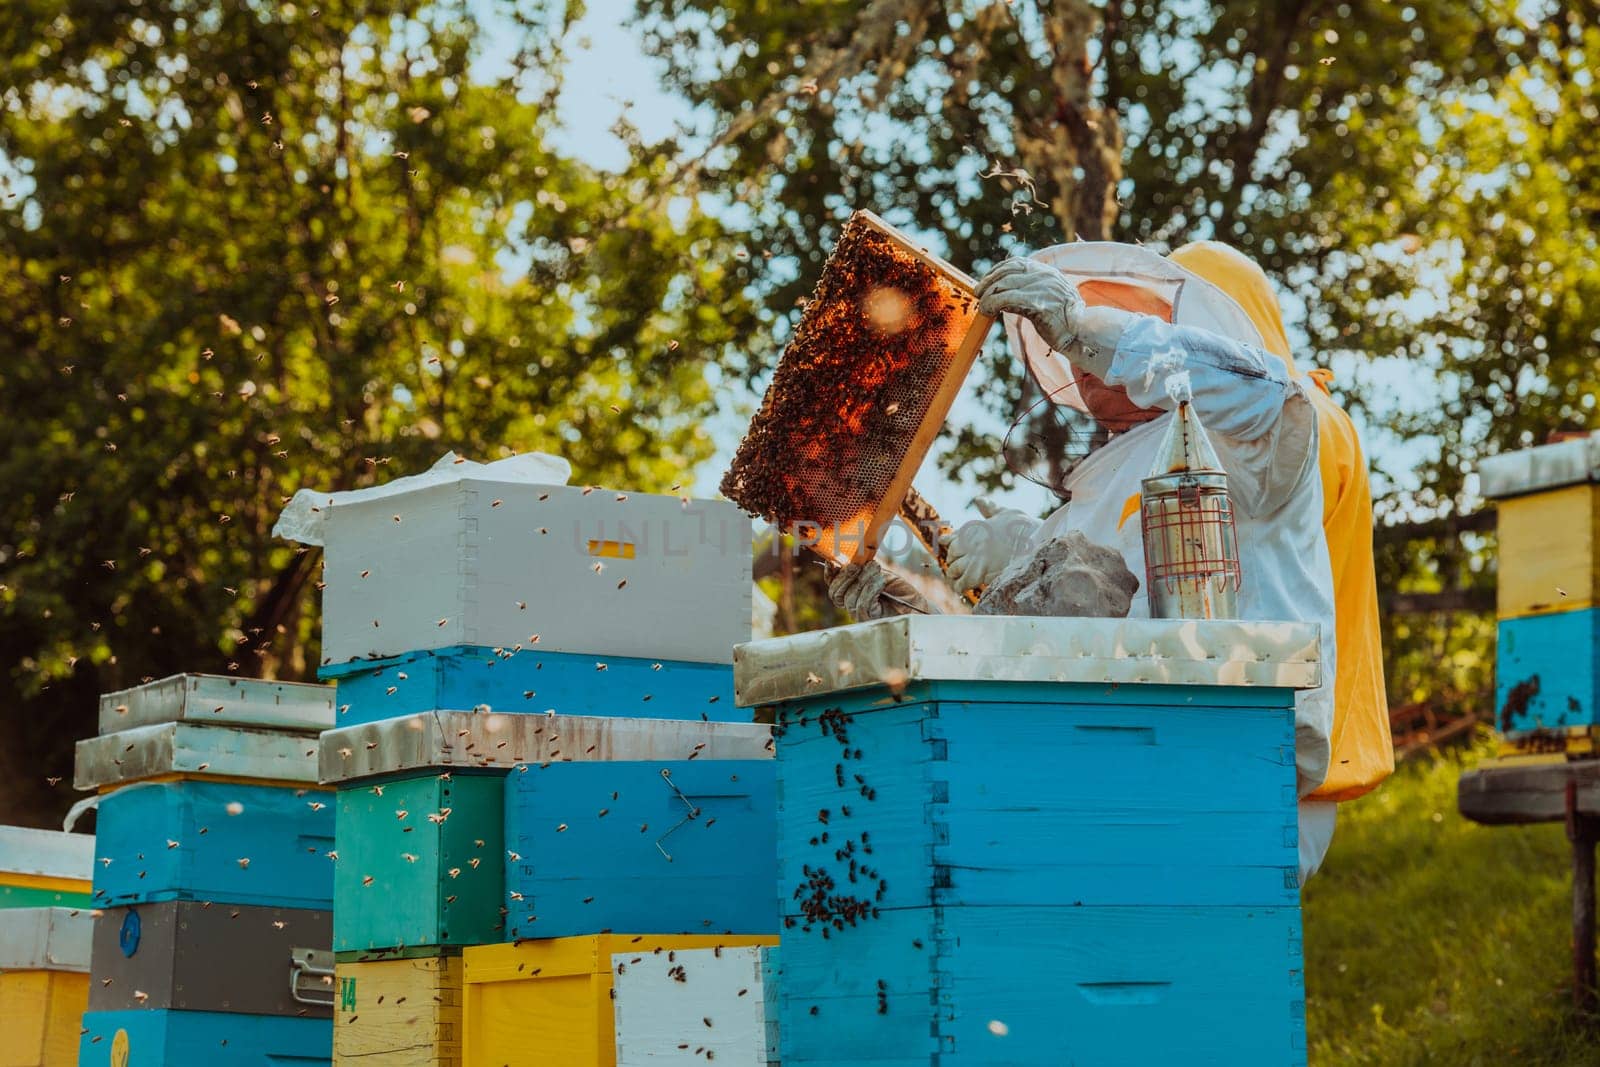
(968, 648)
(305, 517)
(45, 939)
(46, 853)
(442, 739)
(213, 698)
(194, 749)
(1571, 462)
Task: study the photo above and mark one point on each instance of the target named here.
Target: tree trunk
(1072, 144)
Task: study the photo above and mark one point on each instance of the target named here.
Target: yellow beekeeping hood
(1363, 753)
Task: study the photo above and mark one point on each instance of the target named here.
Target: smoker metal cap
(1530, 470)
(997, 648)
(1186, 447)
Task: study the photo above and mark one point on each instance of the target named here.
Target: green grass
(1432, 940)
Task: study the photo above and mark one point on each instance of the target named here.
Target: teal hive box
(1547, 672)
(531, 680)
(1007, 840)
(421, 862)
(202, 1039)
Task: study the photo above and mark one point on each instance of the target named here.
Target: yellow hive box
(1548, 552)
(401, 1013)
(548, 1003)
(41, 1014)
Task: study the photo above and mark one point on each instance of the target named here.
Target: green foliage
(247, 247)
(1432, 940)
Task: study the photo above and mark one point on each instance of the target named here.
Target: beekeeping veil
(1128, 277)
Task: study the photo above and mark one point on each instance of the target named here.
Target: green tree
(247, 247)
(1414, 174)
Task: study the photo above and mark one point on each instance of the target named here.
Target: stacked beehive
(212, 880)
(536, 757)
(1547, 670)
(44, 944)
(1037, 841)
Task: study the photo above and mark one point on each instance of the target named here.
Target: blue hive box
(213, 1039)
(467, 677)
(1009, 840)
(1547, 672)
(190, 840)
(679, 847)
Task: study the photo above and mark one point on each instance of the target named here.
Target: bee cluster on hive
(878, 338)
(830, 899)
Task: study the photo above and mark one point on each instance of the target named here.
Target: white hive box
(45, 939)
(690, 1006)
(490, 562)
(30, 853)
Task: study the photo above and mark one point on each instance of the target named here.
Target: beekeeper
(1149, 332)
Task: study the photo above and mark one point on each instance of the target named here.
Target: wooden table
(1517, 792)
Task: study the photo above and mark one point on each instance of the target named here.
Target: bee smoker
(1191, 553)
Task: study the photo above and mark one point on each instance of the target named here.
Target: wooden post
(1582, 831)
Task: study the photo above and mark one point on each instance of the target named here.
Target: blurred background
(248, 247)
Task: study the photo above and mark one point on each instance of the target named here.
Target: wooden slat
(1515, 793)
(1433, 529)
(1472, 600)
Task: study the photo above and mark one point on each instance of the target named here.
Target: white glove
(982, 548)
(1039, 293)
(864, 589)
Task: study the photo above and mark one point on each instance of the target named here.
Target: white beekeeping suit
(1260, 420)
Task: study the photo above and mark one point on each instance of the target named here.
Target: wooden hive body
(539, 1003)
(393, 884)
(609, 846)
(45, 868)
(1547, 673)
(196, 956)
(1548, 552)
(44, 984)
(203, 1038)
(41, 1012)
(531, 680)
(965, 865)
(1547, 659)
(706, 1004)
(401, 1012)
(479, 562)
(189, 840)
(1017, 840)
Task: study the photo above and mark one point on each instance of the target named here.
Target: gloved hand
(859, 588)
(982, 548)
(1039, 293)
